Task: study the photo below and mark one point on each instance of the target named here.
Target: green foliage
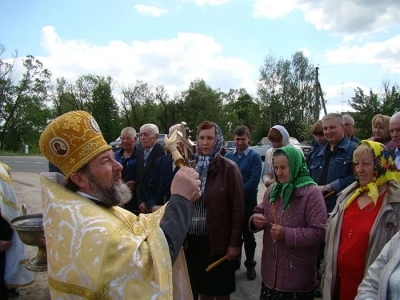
(24, 110)
(104, 109)
(367, 106)
(286, 95)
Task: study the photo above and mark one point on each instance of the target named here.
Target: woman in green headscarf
(366, 217)
(293, 217)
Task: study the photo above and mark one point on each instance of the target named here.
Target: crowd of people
(137, 224)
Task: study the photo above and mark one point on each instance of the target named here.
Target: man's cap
(79, 141)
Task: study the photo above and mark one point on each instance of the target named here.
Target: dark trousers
(3, 288)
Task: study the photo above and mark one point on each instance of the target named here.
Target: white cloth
(16, 273)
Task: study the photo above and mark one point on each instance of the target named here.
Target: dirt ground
(27, 188)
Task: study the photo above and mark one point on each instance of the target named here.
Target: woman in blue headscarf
(216, 227)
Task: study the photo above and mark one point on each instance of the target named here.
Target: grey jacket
(386, 225)
(375, 282)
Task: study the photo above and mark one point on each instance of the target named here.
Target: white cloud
(305, 51)
(208, 2)
(173, 62)
(273, 9)
(337, 96)
(150, 10)
(345, 17)
(386, 53)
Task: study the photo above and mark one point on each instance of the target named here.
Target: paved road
(30, 164)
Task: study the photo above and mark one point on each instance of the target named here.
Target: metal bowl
(30, 231)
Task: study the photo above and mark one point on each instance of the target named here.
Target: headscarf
(285, 142)
(198, 223)
(299, 176)
(285, 135)
(384, 170)
(204, 161)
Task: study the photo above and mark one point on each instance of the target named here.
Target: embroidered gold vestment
(104, 253)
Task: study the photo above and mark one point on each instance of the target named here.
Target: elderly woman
(366, 217)
(381, 132)
(217, 223)
(279, 137)
(293, 217)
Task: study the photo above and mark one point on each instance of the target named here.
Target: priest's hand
(186, 183)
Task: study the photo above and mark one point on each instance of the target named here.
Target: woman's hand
(277, 232)
(259, 221)
(232, 253)
(269, 182)
(4, 245)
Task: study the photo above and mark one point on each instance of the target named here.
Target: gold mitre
(71, 141)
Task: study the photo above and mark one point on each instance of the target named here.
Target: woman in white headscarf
(279, 137)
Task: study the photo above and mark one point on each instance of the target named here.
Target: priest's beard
(116, 195)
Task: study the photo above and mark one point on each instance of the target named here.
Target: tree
(104, 109)
(63, 98)
(367, 106)
(200, 103)
(138, 106)
(286, 93)
(24, 112)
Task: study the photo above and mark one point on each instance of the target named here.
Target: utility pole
(316, 90)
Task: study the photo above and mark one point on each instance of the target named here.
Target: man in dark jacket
(145, 158)
(159, 186)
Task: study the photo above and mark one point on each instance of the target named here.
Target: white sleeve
(369, 287)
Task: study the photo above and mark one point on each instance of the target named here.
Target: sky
(355, 43)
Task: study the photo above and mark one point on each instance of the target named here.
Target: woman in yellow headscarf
(366, 216)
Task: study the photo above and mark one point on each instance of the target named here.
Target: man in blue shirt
(250, 165)
(126, 156)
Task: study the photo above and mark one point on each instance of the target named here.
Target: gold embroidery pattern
(6, 168)
(101, 256)
(71, 141)
(88, 148)
(6, 178)
(8, 202)
(72, 123)
(68, 288)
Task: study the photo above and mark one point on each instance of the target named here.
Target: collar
(344, 144)
(93, 199)
(149, 150)
(245, 152)
(87, 196)
(121, 153)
